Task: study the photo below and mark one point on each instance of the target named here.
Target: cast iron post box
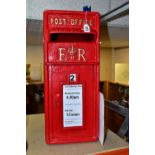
(71, 76)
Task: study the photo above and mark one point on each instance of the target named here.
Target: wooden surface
(114, 120)
(114, 92)
(36, 82)
(34, 98)
(36, 141)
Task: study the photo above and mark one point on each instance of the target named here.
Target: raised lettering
(60, 21)
(51, 21)
(80, 21)
(64, 20)
(75, 21)
(56, 21)
(72, 21)
(90, 22)
(62, 54)
(81, 53)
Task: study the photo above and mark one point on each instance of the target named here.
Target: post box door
(84, 117)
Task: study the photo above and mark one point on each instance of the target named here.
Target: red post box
(71, 76)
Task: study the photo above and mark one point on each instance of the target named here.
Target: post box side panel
(46, 103)
(96, 98)
(89, 130)
(45, 35)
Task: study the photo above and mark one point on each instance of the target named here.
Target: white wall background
(108, 58)
(34, 9)
(106, 64)
(122, 73)
(121, 55)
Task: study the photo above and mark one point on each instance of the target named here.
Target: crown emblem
(72, 51)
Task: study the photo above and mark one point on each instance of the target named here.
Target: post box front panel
(72, 52)
(84, 124)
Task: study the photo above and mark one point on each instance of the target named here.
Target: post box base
(64, 141)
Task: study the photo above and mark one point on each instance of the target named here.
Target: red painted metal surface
(71, 66)
(123, 151)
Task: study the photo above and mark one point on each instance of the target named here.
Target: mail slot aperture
(72, 37)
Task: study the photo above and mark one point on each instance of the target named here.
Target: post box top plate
(59, 20)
